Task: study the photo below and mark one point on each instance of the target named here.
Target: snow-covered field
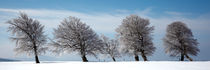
(151, 65)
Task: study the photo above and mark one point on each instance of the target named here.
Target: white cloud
(100, 22)
(175, 13)
(105, 22)
(145, 12)
(51, 18)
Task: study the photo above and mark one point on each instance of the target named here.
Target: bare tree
(111, 47)
(179, 41)
(29, 35)
(135, 34)
(74, 35)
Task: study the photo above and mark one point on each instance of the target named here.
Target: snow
(74, 65)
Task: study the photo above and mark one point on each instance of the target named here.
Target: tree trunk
(36, 55)
(37, 59)
(143, 56)
(142, 51)
(113, 59)
(136, 58)
(84, 59)
(182, 57)
(188, 57)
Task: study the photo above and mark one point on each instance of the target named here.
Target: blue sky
(104, 16)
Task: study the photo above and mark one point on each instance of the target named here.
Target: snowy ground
(151, 65)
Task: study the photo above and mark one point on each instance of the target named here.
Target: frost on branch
(28, 34)
(179, 40)
(135, 34)
(111, 47)
(72, 35)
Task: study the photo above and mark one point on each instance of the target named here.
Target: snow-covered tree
(111, 47)
(74, 35)
(28, 34)
(135, 34)
(179, 41)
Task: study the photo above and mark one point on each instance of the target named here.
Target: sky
(104, 16)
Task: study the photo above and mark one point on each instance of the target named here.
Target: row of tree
(72, 35)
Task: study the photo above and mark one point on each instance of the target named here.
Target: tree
(135, 34)
(29, 35)
(179, 41)
(111, 47)
(74, 35)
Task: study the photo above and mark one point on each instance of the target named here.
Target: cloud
(145, 12)
(106, 22)
(122, 11)
(51, 18)
(176, 13)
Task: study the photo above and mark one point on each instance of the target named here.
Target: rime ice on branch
(135, 34)
(72, 35)
(179, 41)
(28, 34)
(111, 47)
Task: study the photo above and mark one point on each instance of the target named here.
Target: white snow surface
(75, 65)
